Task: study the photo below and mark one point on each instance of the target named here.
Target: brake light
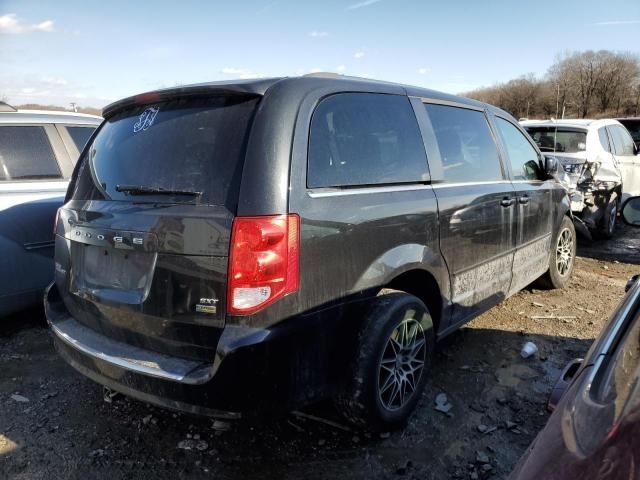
(263, 261)
(147, 97)
(55, 223)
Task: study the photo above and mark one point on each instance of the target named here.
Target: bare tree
(588, 82)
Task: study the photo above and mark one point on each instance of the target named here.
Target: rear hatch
(143, 240)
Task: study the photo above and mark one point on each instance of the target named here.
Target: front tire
(391, 365)
(562, 257)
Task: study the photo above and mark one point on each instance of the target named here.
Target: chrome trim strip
(320, 193)
(364, 190)
(134, 366)
(470, 184)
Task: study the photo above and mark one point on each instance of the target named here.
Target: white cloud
(54, 80)
(358, 55)
(423, 70)
(365, 3)
(10, 24)
(241, 73)
(618, 22)
(316, 34)
(340, 68)
(316, 70)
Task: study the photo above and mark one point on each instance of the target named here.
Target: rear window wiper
(142, 190)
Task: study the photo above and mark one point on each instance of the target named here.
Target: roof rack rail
(324, 75)
(5, 107)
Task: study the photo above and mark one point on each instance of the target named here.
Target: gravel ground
(56, 424)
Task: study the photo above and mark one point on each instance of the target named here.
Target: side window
(466, 146)
(523, 157)
(622, 139)
(26, 154)
(365, 139)
(604, 139)
(80, 135)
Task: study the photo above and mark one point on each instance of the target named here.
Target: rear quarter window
(80, 135)
(365, 139)
(26, 154)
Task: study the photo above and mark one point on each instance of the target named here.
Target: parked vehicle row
(38, 151)
(226, 248)
(601, 163)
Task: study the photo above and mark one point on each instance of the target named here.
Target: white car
(601, 163)
(38, 151)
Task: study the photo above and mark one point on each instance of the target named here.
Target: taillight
(263, 261)
(55, 223)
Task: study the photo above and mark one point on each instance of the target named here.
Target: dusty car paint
(451, 245)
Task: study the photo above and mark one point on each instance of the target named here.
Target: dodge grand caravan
(233, 248)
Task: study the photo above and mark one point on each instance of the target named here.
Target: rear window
(365, 139)
(80, 135)
(182, 145)
(557, 139)
(26, 154)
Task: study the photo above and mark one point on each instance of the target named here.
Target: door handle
(524, 200)
(506, 202)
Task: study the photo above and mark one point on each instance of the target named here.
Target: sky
(95, 52)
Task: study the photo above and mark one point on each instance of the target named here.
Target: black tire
(365, 402)
(608, 223)
(559, 272)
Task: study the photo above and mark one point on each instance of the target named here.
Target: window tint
(633, 126)
(523, 157)
(182, 144)
(604, 139)
(466, 146)
(80, 135)
(622, 142)
(552, 139)
(26, 154)
(365, 139)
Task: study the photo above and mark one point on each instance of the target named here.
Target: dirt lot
(56, 424)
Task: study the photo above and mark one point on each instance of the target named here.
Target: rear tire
(562, 257)
(391, 365)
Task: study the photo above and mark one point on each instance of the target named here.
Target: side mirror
(631, 212)
(551, 165)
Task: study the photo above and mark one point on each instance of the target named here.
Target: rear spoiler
(251, 88)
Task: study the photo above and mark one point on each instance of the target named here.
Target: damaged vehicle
(258, 245)
(601, 165)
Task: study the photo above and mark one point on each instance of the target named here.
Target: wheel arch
(422, 284)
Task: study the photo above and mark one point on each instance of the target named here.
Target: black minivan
(251, 246)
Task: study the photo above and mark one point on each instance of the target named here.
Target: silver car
(38, 151)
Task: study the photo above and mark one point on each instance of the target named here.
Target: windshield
(167, 151)
(558, 139)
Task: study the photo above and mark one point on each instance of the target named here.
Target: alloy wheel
(564, 252)
(402, 363)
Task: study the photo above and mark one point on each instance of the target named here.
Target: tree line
(578, 85)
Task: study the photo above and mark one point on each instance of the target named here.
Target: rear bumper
(253, 370)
